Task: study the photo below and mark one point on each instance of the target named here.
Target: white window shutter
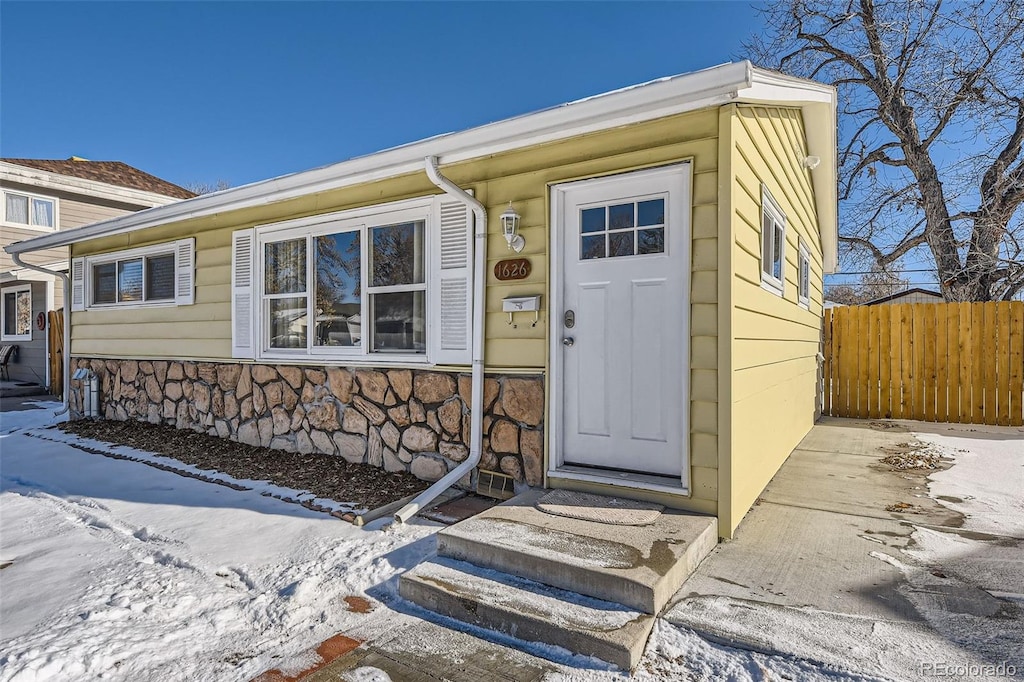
(243, 293)
(185, 271)
(451, 287)
(77, 284)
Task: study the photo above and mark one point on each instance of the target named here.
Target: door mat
(612, 510)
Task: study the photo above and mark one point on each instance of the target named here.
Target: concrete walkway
(815, 572)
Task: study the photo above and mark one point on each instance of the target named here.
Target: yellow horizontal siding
(773, 341)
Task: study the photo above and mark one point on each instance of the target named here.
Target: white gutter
(476, 409)
(66, 353)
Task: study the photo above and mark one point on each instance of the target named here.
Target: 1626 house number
(512, 268)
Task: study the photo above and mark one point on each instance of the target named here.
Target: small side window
(17, 314)
(804, 289)
(773, 243)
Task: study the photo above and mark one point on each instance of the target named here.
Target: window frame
(362, 220)
(115, 257)
(771, 209)
(31, 196)
(803, 282)
(4, 336)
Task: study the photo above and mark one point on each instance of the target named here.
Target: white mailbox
(522, 304)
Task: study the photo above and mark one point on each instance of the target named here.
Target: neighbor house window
(773, 243)
(347, 285)
(30, 209)
(17, 313)
(804, 270)
(154, 275)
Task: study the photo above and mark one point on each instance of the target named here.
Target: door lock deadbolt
(570, 319)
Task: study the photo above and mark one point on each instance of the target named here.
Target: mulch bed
(325, 476)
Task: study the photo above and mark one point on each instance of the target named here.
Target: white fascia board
(66, 183)
(648, 101)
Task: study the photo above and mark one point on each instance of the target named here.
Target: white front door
(621, 316)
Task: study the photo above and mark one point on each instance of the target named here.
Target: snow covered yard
(115, 570)
(118, 570)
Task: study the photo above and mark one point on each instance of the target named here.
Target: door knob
(568, 341)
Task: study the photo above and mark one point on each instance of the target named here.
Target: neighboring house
(915, 295)
(676, 234)
(42, 196)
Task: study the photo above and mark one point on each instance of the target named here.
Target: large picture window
(17, 313)
(347, 286)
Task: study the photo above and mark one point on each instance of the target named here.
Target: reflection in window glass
(338, 290)
(288, 322)
(18, 313)
(104, 283)
(160, 278)
(129, 280)
(651, 241)
(620, 244)
(592, 220)
(620, 216)
(285, 267)
(777, 253)
(399, 322)
(592, 246)
(651, 212)
(397, 255)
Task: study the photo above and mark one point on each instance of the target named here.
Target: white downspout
(66, 358)
(476, 409)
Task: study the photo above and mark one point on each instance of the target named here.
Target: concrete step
(640, 567)
(529, 610)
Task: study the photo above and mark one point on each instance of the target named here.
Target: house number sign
(512, 268)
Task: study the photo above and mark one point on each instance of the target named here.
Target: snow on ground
(122, 571)
(125, 572)
(968, 582)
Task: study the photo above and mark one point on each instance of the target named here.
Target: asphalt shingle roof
(111, 172)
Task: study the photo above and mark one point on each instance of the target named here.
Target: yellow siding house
(622, 294)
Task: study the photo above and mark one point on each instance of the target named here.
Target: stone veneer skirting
(397, 419)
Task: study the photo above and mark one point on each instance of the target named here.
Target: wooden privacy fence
(940, 362)
(55, 330)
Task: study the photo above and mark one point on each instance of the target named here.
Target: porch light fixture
(510, 229)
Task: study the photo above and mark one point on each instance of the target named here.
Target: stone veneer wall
(398, 419)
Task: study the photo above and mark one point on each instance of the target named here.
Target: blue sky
(243, 91)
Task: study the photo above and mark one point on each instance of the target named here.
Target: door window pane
(397, 255)
(129, 280)
(104, 283)
(620, 244)
(651, 241)
(620, 216)
(288, 322)
(285, 267)
(651, 212)
(160, 277)
(592, 246)
(399, 322)
(338, 289)
(592, 220)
